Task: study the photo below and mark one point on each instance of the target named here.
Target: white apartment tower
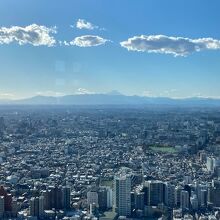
(122, 194)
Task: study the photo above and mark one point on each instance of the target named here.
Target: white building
(109, 197)
(122, 194)
(92, 198)
(210, 164)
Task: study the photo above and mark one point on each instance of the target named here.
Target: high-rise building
(178, 190)
(2, 124)
(194, 202)
(203, 198)
(184, 200)
(122, 194)
(102, 198)
(14, 210)
(169, 195)
(145, 190)
(202, 193)
(202, 156)
(214, 196)
(139, 200)
(37, 207)
(47, 199)
(156, 192)
(55, 197)
(66, 197)
(92, 198)
(41, 206)
(210, 164)
(34, 206)
(216, 162)
(7, 199)
(109, 197)
(52, 196)
(2, 206)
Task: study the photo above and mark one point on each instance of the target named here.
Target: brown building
(7, 199)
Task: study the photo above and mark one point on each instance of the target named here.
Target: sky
(166, 48)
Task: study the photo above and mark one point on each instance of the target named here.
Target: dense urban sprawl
(109, 163)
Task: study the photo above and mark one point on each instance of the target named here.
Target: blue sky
(146, 47)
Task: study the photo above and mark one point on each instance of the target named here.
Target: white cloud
(65, 43)
(33, 34)
(88, 41)
(177, 46)
(83, 24)
(83, 91)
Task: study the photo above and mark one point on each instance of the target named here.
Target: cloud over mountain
(177, 46)
(36, 35)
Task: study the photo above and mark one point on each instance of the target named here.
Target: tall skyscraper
(145, 190)
(7, 199)
(52, 196)
(34, 206)
(41, 206)
(213, 195)
(37, 207)
(178, 190)
(155, 192)
(66, 197)
(102, 198)
(210, 164)
(201, 191)
(203, 198)
(55, 197)
(2, 206)
(139, 200)
(109, 197)
(169, 195)
(122, 194)
(184, 200)
(47, 200)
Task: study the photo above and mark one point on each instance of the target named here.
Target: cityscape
(109, 110)
(108, 163)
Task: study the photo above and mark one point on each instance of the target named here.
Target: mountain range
(113, 98)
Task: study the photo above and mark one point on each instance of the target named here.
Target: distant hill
(113, 98)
